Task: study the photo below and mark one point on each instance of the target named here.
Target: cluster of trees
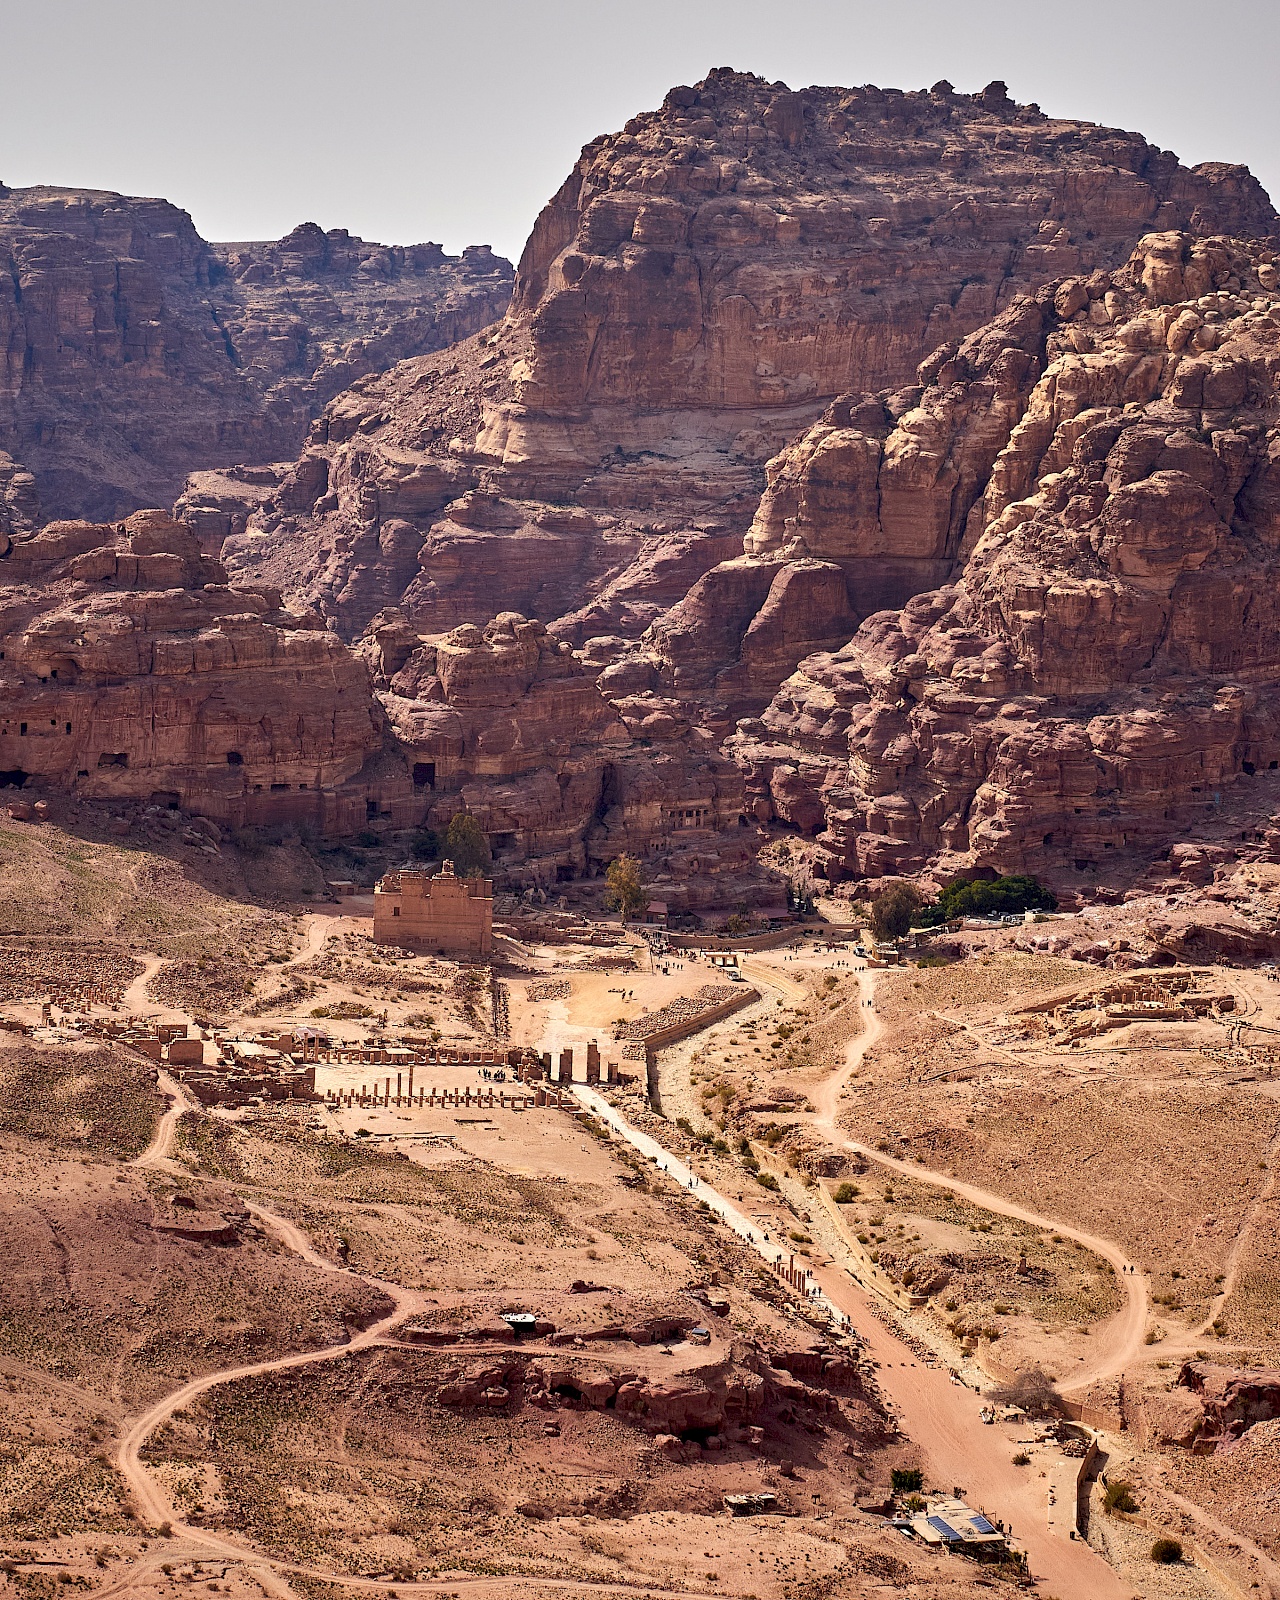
(902, 907)
(800, 897)
(463, 842)
(1007, 896)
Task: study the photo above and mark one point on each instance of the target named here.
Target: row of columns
(381, 1095)
(564, 1071)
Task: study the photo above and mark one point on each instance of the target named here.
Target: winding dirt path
(135, 998)
(319, 930)
(160, 1151)
(939, 1416)
(152, 1503)
(1121, 1340)
(154, 1507)
(1225, 1532)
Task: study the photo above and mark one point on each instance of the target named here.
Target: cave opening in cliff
(14, 778)
(424, 774)
(169, 799)
(234, 758)
(120, 758)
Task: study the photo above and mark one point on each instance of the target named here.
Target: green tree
(625, 890)
(892, 911)
(425, 845)
(466, 846)
(1007, 896)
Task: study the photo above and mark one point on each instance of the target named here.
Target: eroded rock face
(130, 669)
(1230, 1400)
(132, 352)
(1103, 664)
(702, 285)
(508, 723)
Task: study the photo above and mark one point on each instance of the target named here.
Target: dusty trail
(1224, 1531)
(319, 930)
(160, 1150)
(1120, 1341)
(1237, 1252)
(937, 1414)
(154, 1507)
(135, 998)
(152, 1504)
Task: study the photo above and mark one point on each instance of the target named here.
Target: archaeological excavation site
(766, 708)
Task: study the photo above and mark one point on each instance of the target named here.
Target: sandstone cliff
(1101, 463)
(132, 352)
(508, 723)
(702, 285)
(130, 670)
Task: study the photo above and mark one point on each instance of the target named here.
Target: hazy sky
(407, 120)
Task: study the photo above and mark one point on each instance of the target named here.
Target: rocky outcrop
(132, 352)
(1229, 1400)
(129, 669)
(713, 1404)
(19, 500)
(704, 283)
(1101, 464)
(507, 723)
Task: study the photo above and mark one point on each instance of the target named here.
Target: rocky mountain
(132, 352)
(1098, 670)
(705, 282)
(1014, 483)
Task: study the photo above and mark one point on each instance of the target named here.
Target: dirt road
(135, 999)
(154, 1508)
(152, 1503)
(940, 1416)
(1121, 1340)
(160, 1150)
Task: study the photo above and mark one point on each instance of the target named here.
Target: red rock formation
(129, 669)
(1103, 463)
(702, 285)
(507, 723)
(19, 500)
(132, 352)
(1231, 1401)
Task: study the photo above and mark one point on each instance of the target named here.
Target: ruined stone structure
(439, 912)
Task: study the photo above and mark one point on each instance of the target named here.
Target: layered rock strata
(129, 669)
(508, 724)
(702, 285)
(1102, 462)
(132, 352)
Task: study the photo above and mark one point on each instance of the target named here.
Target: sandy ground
(939, 1414)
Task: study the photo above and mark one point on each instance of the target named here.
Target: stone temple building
(439, 912)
